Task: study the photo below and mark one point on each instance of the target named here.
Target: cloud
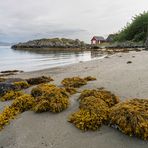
(23, 20)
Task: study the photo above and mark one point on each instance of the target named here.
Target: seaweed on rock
(131, 117)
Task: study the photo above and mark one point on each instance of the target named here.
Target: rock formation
(51, 43)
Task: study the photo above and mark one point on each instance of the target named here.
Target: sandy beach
(48, 130)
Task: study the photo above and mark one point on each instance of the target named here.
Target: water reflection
(36, 59)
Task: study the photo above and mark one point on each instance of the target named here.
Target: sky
(23, 20)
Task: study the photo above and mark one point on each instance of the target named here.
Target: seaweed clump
(57, 105)
(71, 90)
(105, 95)
(11, 95)
(131, 117)
(50, 97)
(19, 105)
(23, 103)
(75, 82)
(8, 114)
(21, 84)
(41, 105)
(90, 78)
(39, 80)
(86, 120)
(92, 114)
(94, 106)
(42, 90)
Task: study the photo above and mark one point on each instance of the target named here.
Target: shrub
(11, 95)
(39, 80)
(131, 117)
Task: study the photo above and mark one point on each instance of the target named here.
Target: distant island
(52, 43)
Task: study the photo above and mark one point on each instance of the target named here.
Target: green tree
(136, 30)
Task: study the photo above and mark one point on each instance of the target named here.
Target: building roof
(99, 38)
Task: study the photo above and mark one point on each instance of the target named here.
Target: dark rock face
(5, 87)
(51, 43)
(12, 80)
(127, 44)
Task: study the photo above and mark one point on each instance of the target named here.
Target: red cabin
(97, 40)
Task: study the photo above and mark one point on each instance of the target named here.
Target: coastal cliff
(52, 43)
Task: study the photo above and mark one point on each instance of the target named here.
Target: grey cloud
(29, 19)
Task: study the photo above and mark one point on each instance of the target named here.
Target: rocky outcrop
(127, 44)
(52, 43)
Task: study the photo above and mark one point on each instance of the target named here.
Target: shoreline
(53, 131)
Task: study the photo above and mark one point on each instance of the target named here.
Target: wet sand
(48, 130)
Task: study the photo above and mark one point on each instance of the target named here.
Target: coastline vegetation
(136, 31)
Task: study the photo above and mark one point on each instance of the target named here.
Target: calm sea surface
(38, 59)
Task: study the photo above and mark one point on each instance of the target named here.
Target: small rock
(129, 62)
(107, 57)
